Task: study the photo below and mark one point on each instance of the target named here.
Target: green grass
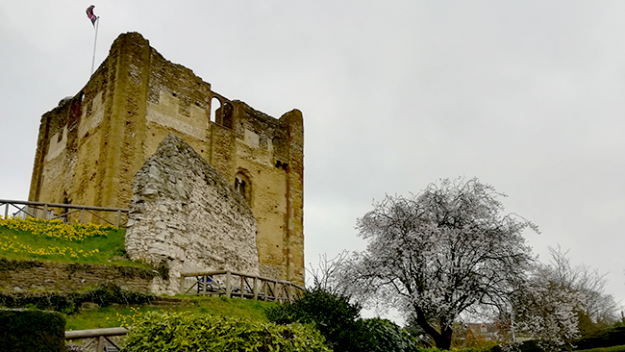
(115, 316)
(28, 239)
(98, 249)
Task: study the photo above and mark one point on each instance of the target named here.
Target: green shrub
(181, 333)
(31, 330)
(607, 349)
(606, 338)
(334, 316)
(382, 335)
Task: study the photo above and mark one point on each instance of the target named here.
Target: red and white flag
(91, 15)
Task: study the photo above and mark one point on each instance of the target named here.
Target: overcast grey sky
(525, 95)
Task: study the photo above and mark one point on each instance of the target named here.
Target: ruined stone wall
(78, 140)
(178, 102)
(263, 154)
(185, 213)
(135, 99)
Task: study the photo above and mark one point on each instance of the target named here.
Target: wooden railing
(224, 283)
(46, 211)
(98, 338)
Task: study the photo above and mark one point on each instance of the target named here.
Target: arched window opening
(239, 186)
(215, 105)
(243, 186)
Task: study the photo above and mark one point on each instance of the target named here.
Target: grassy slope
(107, 317)
(60, 242)
(37, 240)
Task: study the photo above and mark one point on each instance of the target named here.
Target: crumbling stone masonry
(48, 276)
(91, 146)
(185, 213)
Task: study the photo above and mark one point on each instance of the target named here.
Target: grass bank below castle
(57, 241)
(115, 316)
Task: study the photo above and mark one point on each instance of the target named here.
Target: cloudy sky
(525, 95)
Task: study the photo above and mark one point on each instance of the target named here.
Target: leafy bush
(469, 349)
(31, 330)
(529, 346)
(338, 320)
(607, 349)
(180, 333)
(382, 335)
(333, 315)
(606, 338)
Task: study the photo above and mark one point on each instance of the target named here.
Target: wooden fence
(233, 284)
(100, 339)
(50, 211)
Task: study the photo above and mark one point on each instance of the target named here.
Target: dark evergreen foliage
(338, 321)
(333, 315)
(31, 330)
(606, 338)
(382, 335)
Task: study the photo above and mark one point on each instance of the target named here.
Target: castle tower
(91, 146)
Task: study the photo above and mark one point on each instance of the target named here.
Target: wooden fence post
(181, 287)
(228, 284)
(100, 344)
(45, 211)
(275, 293)
(255, 288)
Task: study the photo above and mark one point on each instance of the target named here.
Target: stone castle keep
(92, 145)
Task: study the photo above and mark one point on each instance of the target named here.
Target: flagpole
(97, 24)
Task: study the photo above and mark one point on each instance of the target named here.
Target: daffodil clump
(55, 228)
(54, 239)
(126, 320)
(8, 244)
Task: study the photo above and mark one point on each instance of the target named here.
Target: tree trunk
(442, 339)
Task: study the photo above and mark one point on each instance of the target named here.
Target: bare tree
(438, 254)
(326, 275)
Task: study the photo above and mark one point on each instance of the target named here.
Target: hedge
(181, 333)
(31, 330)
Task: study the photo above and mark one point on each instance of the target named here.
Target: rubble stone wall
(64, 277)
(184, 212)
